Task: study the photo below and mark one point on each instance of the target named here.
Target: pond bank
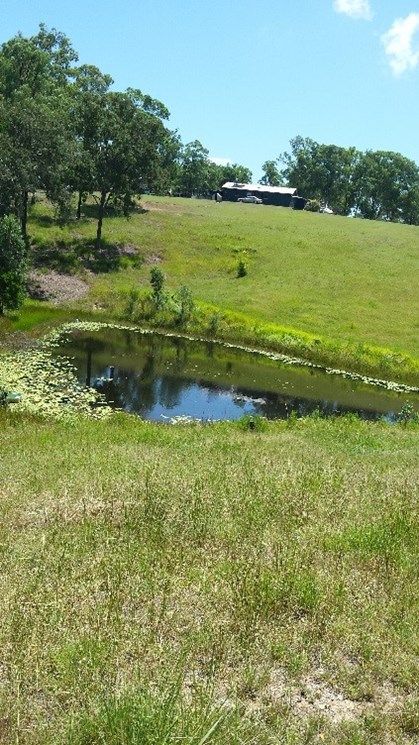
(220, 380)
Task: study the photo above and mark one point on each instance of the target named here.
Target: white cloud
(354, 8)
(398, 44)
(220, 161)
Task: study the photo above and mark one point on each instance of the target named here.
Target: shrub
(214, 324)
(185, 305)
(157, 284)
(241, 269)
(133, 297)
(252, 423)
(12, 264)
(313, 205)
(407, 414)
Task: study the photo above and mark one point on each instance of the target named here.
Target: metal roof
(260, 188)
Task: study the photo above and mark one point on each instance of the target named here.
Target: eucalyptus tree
(387, 187)
(323, 172)
(88, 90)
(12, 264)
(195, 167)
(122, 148)
(34, 107)
(271, 174)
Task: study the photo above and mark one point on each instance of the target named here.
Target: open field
(208, 584)
(343, 292)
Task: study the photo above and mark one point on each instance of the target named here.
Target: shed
(278, 195)
(298, 203)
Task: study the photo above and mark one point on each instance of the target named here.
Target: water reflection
(161, 377)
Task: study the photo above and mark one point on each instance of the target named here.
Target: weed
(214, 324)
(241, 269)
(407, 414)
(184, 306)
(253, 423)
(157, 284)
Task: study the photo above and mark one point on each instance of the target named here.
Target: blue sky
(244, 76)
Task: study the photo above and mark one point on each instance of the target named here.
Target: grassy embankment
(208, 584)
(338, 291)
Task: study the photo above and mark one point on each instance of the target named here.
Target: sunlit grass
(157, 582)
(338, 290)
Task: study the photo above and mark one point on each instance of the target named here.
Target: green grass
(208, 584)
(340, 291)
(217, 584)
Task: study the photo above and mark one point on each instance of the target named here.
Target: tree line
(65, 130)
(375, 184)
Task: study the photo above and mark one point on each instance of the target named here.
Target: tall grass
(216, 583)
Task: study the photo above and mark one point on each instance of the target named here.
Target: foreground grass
(340, 291)
(208, 584)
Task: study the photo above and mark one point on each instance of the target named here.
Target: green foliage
(12, 264)
(36, 146)
(241, 269)
(157, 284)
(407, 414)
(132, 302)
(214, 324)
(150, 717)
(313, 205)
(198, 175)
(185, 305)
(271, 175)
(375, 184)
(253, 423)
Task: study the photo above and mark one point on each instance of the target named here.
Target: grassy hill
(339, 290)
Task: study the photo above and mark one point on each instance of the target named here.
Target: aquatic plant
(47, 385)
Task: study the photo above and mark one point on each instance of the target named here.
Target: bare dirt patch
(316, 696)
(55, 287)
(153, 259)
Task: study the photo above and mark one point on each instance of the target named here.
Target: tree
(322, 172)
(387, 187)
(271, 174)
(122, 149)
(219, 174)
(88, 90)
(200, 175)
(165, 174)
(375, 184)
(195, 166)
(120, 136)
(35, 141)
(12, 264)
(236, 173)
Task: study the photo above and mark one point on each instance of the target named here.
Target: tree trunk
(89, 368)
(24, 215)
(100, 219)
(78, 214)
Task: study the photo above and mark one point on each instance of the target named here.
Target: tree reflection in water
(157, 376)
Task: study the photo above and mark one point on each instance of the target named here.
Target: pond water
(160, 377)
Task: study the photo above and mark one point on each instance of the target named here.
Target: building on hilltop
(281, 196)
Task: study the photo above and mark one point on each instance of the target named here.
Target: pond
(163, 377)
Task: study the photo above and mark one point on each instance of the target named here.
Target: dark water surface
(161, 377)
